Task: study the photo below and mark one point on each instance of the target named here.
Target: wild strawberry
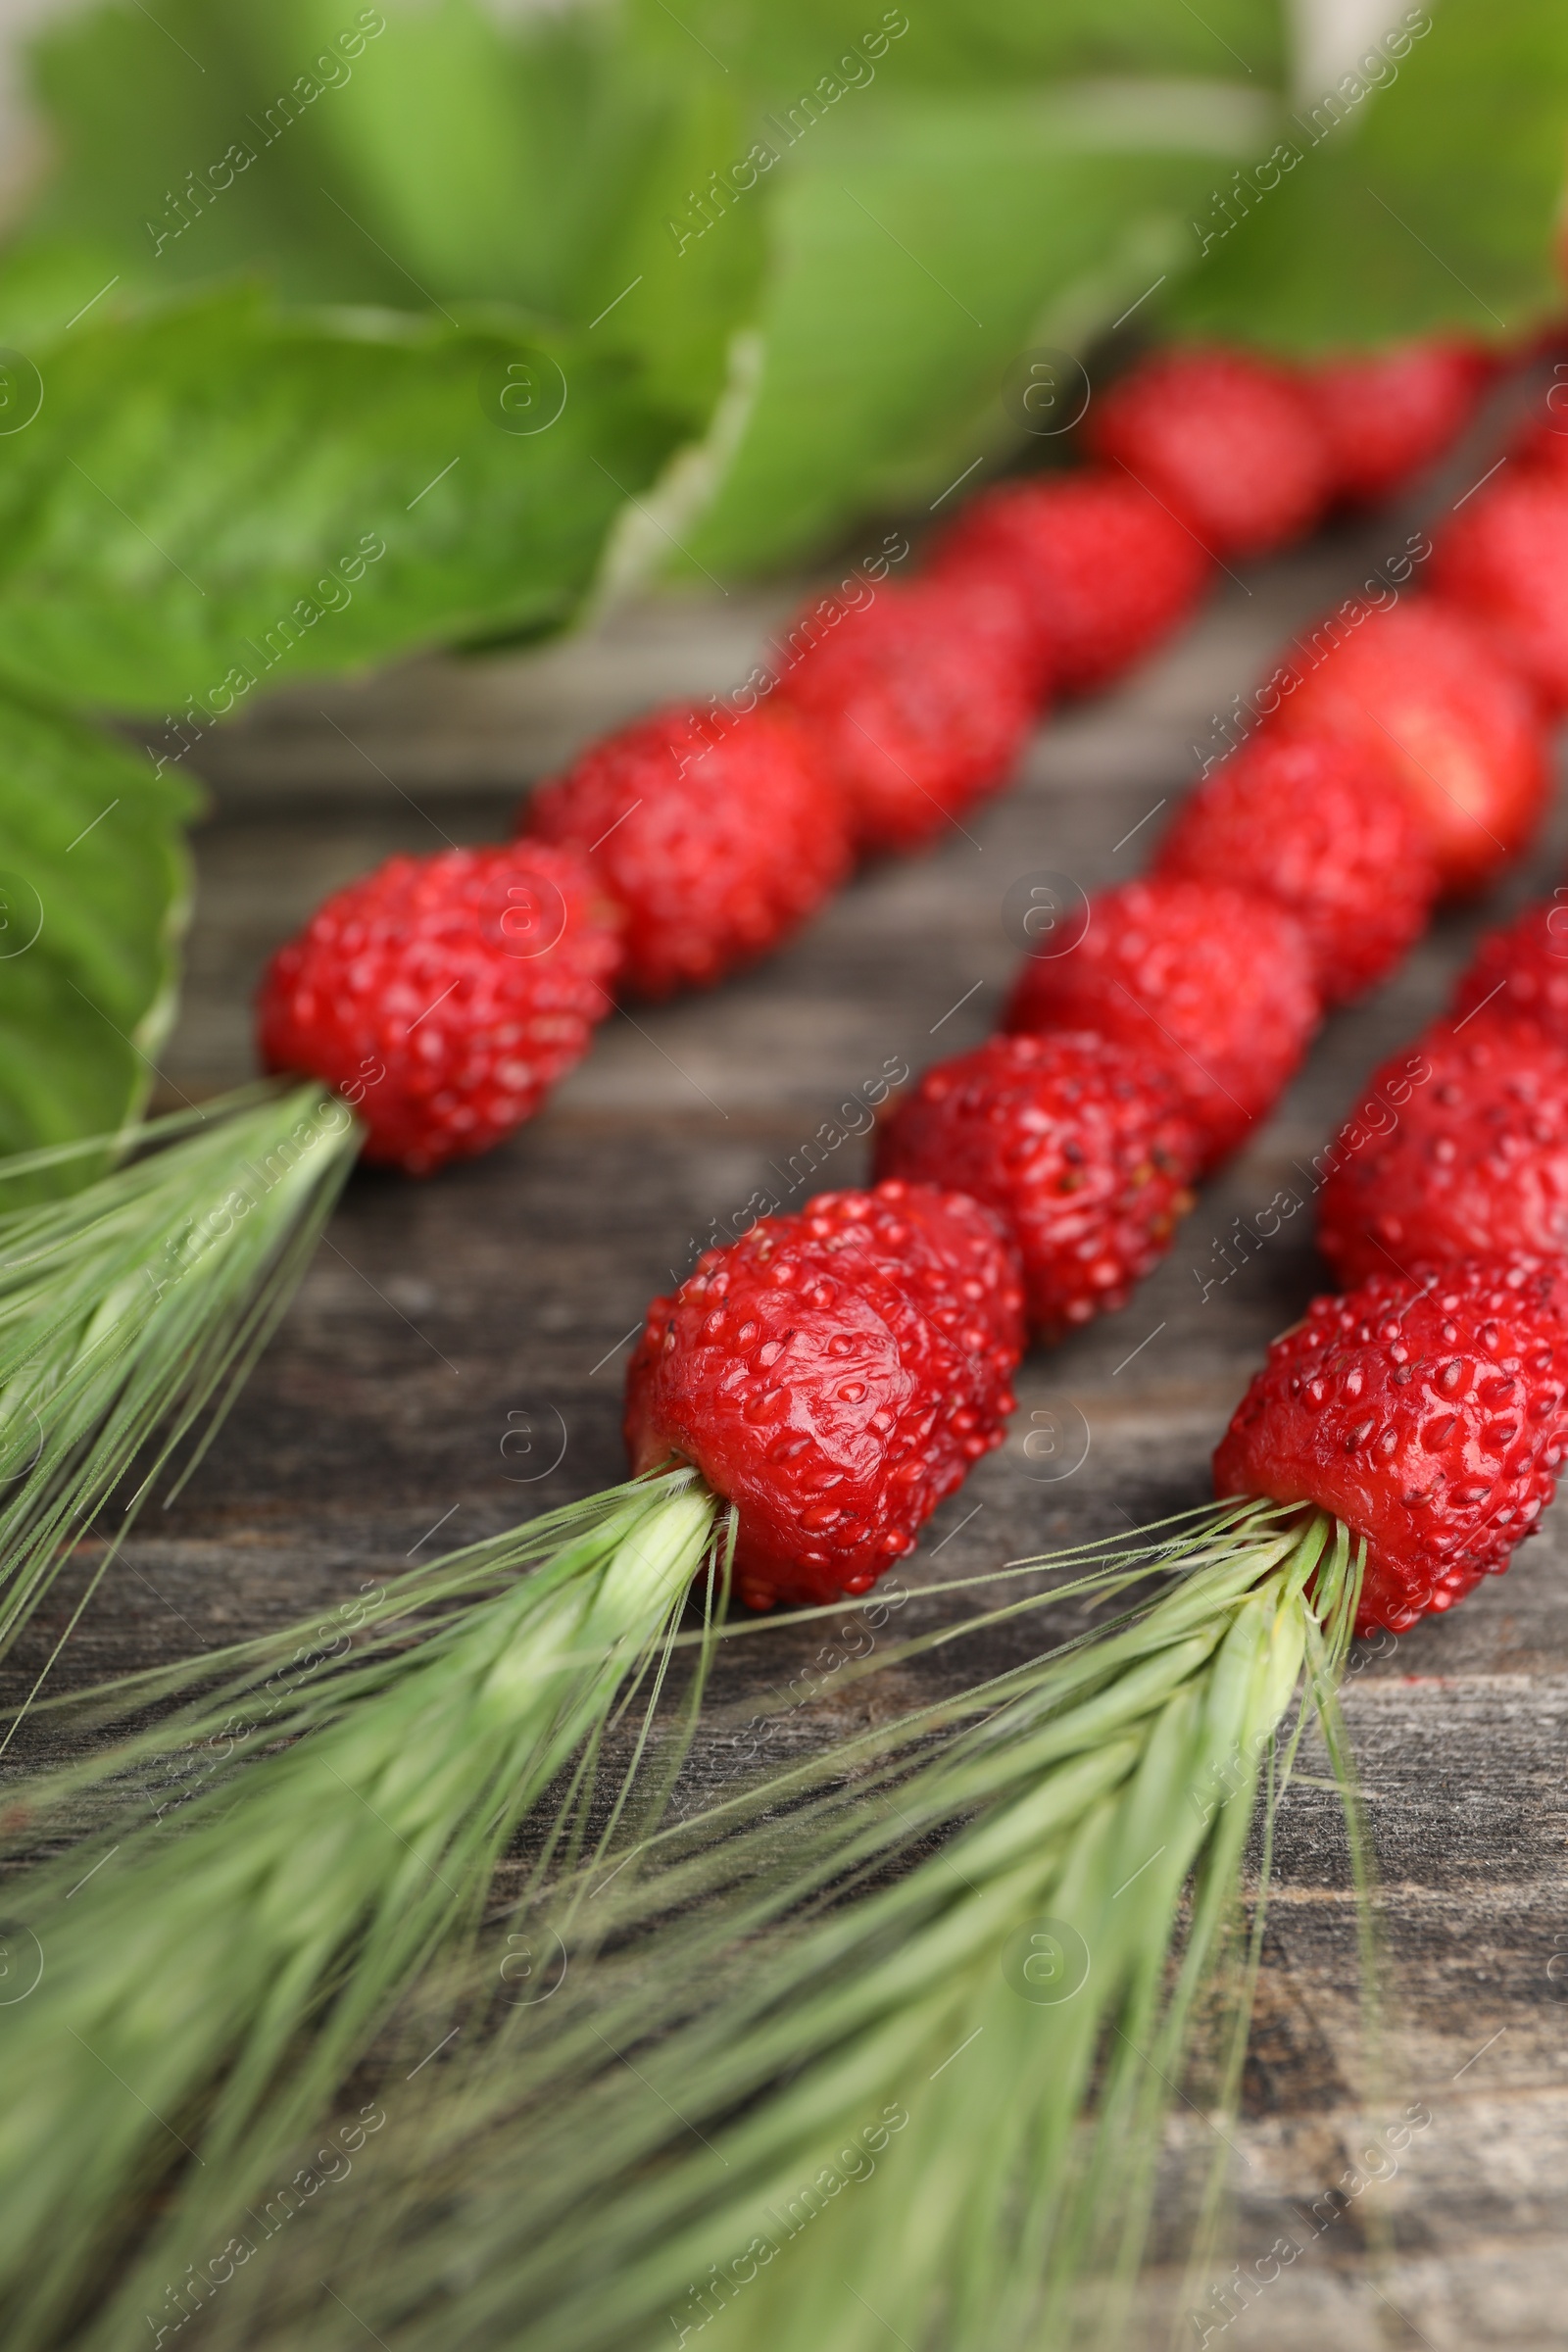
(444, 996)
(1210, 982)
(1388, 416)
(716, 849)
(1227, 440)
(1476, 1163)
(1104, 570)
(1540, 442)
(1325, 827)
(917, 703)
(1522, 969)
(1503, 563)
(1417, 682)
(834, 1375)
(1431, 1420)
(1083, 1150)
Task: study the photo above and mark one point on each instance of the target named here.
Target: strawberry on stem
(1083, 1148)
(1417, 683)
(1228, 441)
(1324, 826)
(1103, 571)
(1522, 969)
(1542, 441)
(1388, 416)
(834, 1373)
(445, 996)
(917, 703)
(1430, 1419)
(1210, 982)
(716, 846)
(1502, 560)
(1476, 1164)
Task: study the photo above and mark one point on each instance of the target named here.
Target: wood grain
(507, 1288)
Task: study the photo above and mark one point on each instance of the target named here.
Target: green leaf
(94, 881)
(971, 46)
(920, 248)
(213, 498)
(430, 157)
(1398, 223)
(45, 283)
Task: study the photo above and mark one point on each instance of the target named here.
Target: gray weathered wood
(507, 1286)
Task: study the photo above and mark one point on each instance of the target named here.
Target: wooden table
(501, 1297)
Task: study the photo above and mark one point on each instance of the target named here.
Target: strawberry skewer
(902, 1309)
(1022, 1995)
(933, 1334)
(711, 847)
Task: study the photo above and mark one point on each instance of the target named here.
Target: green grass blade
(130, 1312)
(791, 2120)
(269, 1870)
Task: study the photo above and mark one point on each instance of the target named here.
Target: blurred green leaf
(967, 46)
(93, 893)
(440, 159)
(921, 248)
(1434, 205)
(212, 498)
(45, 283)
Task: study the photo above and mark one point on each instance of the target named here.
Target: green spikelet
(790, 2102)
(270, 1869)
(136, 1306)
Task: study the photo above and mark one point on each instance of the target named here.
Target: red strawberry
(834, 1375)
(1083, 1150)
(1522, 969)
(1542, 441)
(1325, 827)
(1227, 440)
(1541, 446)
(1415, 680)
(1503, 563)
(1431, 1421)
(1477, 1164)
(1213, 984)
(917, 703)
(445, 996)
(1388, 416)
(716, 850)
(1104, 570)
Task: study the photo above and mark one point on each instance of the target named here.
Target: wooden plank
(501, 1297)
